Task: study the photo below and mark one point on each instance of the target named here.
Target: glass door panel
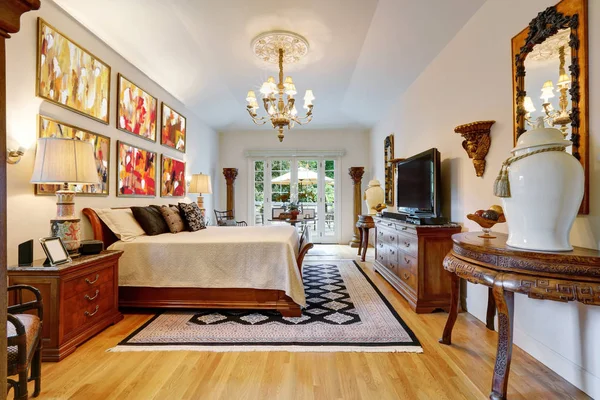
(308, 191)
(330, 220)
(281, 180)
(259, 193)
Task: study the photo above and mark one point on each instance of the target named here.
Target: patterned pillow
(193, 216)
(173, 219)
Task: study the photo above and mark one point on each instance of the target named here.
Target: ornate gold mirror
(388, 154)
(550, 77)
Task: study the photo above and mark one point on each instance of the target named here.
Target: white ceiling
(363, 53)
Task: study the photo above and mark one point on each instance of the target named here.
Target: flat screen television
(418, 185)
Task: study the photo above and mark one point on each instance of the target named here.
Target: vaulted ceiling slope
(363, 53)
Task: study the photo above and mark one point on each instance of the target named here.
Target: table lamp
(65, 161)
(200, 184)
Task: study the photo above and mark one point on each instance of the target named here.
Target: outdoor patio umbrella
(305, 177)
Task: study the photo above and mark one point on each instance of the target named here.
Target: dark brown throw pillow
(193, 216)
(173, 219)
(151, 220)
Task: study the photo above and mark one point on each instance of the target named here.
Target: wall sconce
(477, 142)
(14, 156)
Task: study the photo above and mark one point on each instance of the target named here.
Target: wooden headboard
(101, 231)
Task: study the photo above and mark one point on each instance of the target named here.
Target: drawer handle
(407, 244)
(393, 252)
(404, 228)
(389, 224)
(405, 275)
(91, 314)
(407, 260)
(380, 234)
(94, 281)
(93, 297)
(392, 238)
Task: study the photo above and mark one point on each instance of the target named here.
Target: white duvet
(217, 257)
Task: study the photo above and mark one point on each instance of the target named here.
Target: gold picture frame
(132, 174)
(101, 145)
(148, 98)
(166, 132)
(92, 100)
(179, 166)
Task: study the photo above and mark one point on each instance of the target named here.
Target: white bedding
(217, 257)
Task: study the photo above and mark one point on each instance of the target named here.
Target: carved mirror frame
(388, 155)
(568, 14)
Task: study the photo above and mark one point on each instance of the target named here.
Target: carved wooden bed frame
(231, 298)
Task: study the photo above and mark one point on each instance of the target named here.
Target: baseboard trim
(575, 374)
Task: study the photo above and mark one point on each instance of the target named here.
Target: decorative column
(230, 174)
(356, 173)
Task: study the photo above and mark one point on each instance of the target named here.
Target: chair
(304, 245)
(24, 341)
(226, 218)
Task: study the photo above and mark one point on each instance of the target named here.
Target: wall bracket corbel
(477, 142)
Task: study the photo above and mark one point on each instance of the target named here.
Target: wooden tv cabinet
(410, 258)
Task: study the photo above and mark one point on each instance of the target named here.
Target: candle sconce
(477, 142)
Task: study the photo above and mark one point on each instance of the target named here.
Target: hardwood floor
(461, 371)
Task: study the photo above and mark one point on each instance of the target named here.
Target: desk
(558, 276)
(364, 223)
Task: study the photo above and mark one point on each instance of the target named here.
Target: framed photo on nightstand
(56, 252)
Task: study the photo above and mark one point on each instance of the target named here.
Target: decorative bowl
(486, 224)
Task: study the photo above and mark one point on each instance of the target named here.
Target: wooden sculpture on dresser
(477, 142)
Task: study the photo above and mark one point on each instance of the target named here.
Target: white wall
(29, 215)
(233, 146)
(471, 80)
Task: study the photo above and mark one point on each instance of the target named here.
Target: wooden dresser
(410, 258)
(80, 299)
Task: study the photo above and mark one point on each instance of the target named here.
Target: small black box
(91, 247)
(26, 254)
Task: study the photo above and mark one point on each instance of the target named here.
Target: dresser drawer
(387, 236)
(406, 275)
(382, 253)
(408, 262)
(76, 318)
(88, 282)
(91, 297)
(409, 244)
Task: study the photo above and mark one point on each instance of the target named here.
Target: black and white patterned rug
(345, 312)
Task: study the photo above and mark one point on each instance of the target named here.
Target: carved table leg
(365, 244)
(447, 335)
(505, 304)
(491, 310)
(360, 231)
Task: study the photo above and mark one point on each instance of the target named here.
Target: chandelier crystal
(278, 98)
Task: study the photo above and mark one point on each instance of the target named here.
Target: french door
(312, 182)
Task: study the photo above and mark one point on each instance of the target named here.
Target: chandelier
(279, 99)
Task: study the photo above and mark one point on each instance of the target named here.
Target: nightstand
(80, 299)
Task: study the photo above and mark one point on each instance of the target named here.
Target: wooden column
(230, 174)
(10, 15)
(356, 173)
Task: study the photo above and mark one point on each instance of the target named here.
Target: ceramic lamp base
(66, 226)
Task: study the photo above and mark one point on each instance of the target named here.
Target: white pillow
(121, 222)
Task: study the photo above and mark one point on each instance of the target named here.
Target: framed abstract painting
(48, 127)
(173, 129)
(172, 177)
(70, 76)
(136, 110)
(136, 171)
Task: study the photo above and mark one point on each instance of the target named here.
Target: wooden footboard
(229, 298)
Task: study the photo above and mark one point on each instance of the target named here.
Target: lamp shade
(64, 161)
(200, 184)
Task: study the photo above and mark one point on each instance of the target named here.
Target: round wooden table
(364, 223)
(558, 276)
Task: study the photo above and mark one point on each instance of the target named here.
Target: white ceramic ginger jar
(546, 193)
(374, 196)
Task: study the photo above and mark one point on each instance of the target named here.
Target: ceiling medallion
(266, 47)
(278, 98)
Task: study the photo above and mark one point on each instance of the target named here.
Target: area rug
(345, 312)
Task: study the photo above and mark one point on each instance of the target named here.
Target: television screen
(417, 184)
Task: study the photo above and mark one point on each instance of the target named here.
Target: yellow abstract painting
(70, 76)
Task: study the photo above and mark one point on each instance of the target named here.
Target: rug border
(247, 346)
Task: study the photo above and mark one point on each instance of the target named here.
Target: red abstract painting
(136, 172)
(172, 181)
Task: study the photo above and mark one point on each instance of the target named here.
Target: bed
(218, 267)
